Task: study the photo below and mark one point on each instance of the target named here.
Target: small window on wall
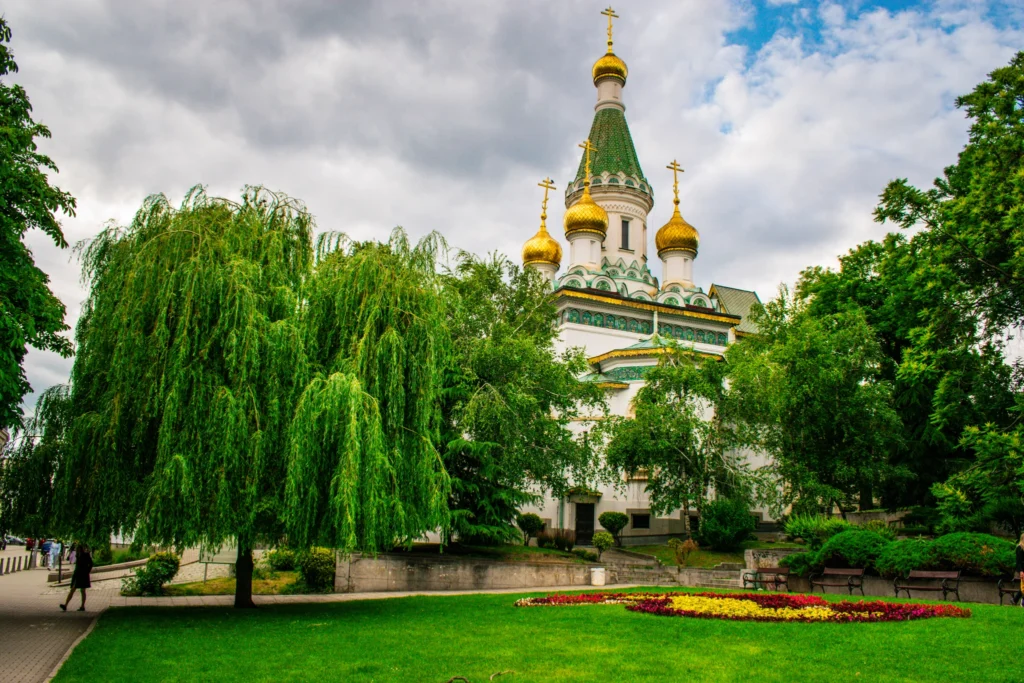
(641, 521)
(625, 233)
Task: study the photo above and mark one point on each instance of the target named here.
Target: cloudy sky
(789, 115)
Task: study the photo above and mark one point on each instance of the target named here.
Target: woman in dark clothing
(80, 577)
(1020, 569)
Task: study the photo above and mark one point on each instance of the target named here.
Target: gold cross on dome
(676, 170)
(587, 147)
(610, 13)
(547, 184)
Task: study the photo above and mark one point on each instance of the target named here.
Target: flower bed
(754, 606)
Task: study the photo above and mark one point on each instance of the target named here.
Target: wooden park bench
(769, 578)
(927, 581)
(839, 578)
(1008, 587)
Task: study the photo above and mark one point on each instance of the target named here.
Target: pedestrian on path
(80, 577)
(55, 549)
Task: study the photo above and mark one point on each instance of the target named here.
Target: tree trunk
(243, 578)
(867, 498)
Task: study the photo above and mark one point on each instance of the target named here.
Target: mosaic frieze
(618, 322)
(632, 372)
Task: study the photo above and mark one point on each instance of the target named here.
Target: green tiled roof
(737, 302)
(615, 151)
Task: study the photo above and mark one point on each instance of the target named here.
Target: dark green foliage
(30, 315)
(281, 559)
(545, 539)
(979, 554)
(854, 548)
(815, 529)
(881, 528)
(725, 524)
(602, 541)
(150, 578)
(614, 522)
(801, 564)
(586, 555)
(563, 539)
(317, 567)
(508, 399)
(530, 524)
(901, 557)
(922, 517)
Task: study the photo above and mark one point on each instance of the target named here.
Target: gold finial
(587, 147)
(676, 170)
(610, 13)
(547, 184)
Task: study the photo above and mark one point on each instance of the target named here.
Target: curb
(71, 649)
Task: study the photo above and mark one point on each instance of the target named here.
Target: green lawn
(225, 585)
(705, 558)
(436, 638)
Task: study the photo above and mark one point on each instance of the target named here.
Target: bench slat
(933, 575)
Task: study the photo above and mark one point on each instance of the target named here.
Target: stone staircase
(628, 567)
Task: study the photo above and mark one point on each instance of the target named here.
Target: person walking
(55, 549)
(80, 576)
(44, 552)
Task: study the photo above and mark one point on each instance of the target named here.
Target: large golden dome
(610, 66)
(586, 216)
(677, 235)
(542, 248)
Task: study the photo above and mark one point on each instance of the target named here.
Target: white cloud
(445, 117)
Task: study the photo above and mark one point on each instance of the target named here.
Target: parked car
(14, 540)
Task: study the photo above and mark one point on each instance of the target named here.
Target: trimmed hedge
(815, 529)
(725, 524)
(974, 554)
(317, 567)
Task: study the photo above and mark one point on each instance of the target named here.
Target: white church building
(608, 300)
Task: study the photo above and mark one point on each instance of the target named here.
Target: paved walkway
(35, 635)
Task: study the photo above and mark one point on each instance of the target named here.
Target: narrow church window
(625, 233)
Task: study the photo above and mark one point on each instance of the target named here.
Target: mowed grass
(225, 585)
(705, 558)
(435, 638)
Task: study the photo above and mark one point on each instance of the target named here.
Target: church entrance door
(584, 523)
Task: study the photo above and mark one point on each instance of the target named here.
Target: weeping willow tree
(190, 361)
(364, 471)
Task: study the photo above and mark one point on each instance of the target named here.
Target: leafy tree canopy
(30, 314)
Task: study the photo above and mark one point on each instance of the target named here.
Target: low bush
(881, 528)
(564, 539)
(725, 524)
(683, 549)
(150, 578)
(853, 548)
(544, 540)
(901, 557)
(801, 564)
(614, 522)
(530, 524)
(586, 555)
(814, 530)
(979, 554)
(317, 568)
(281, 559)
(921, 517)
(602, 541)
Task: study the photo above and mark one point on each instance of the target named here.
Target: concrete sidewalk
(35, 635)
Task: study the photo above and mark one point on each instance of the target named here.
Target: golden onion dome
(586, 216)
(542, 248)
(610, 65)
(677, 235)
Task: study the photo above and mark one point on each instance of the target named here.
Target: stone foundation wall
(402, 572)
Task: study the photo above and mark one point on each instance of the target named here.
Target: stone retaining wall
(405, 572)
(972, 589)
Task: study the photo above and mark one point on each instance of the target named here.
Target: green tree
(808, 389)
(30, 314)
(682, 435)
(509, 398)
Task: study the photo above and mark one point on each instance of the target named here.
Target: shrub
(317, 567)
(881, 528)
(584, 554)
(683, 549)
(801, 564)
(614, 522)
(979, 554)
(544, 540)
(602, 541)
(281, 559)
(921, 517)
(901, 557)
(150, 578)
(854, 548)
(725, 524)
(530, 524)
(564, 539)
(815, 529)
